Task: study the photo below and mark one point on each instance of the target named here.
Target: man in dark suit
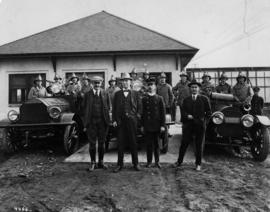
(126, 114)
(96, 121)
(196, 110)
(153, 121)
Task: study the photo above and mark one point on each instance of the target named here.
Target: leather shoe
(176, 164)
(158, 165)
(101, 165)
(117, 169)
(137, 168)
(92, 167)
(148, 165)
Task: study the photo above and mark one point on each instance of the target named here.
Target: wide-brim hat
(223, 76)
(183, 73)
(74, 76)
(38, 78)
(194, 82)
(125, 76)
(241, 75)
(206, 74)
(162, 75)
(96, 79)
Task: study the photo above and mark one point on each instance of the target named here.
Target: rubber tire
(6, 142)
(265, 150)
(70, 149)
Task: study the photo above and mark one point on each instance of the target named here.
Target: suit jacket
(153, 113)
(200, 109)
(88, 105)
(118, 105)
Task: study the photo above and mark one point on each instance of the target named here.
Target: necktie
(193, 97)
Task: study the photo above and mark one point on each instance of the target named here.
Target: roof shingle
(101, 32)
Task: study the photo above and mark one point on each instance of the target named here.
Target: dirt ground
(38, 180)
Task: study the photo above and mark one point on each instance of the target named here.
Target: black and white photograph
(124, 105)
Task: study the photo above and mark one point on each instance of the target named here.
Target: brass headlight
(54, 112)
(218, 117)
(13, 115)
(247, 120)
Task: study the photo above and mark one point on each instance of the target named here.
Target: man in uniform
(96, 121)
(196, 109)
(257, 102)
(153, 121)
(74, 88)
(223, 87)
(37, 91)
(146, 76)
(86, 84)
(165, 90)
(242, 91)
(126, 114)
(113, 88)
(181, 90)
(206, 78)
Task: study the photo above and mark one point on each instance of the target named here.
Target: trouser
(152, 145)
(189, 130)
(127, 137)
(97, 131)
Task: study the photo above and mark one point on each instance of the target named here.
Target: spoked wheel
(8, 142)
(71, 138)
(260, 143)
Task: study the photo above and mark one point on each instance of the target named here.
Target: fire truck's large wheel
(260, 144)
(7, 144)
(71, 138)
(164, 141)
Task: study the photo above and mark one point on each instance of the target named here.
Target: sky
(229, 33)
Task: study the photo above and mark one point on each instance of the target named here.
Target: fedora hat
(97, 79)
(194, 82)
(125, 75)
(151, 80)
(206, 74)
(74, 76)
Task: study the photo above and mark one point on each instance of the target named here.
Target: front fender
(263, 120)
(67, 117)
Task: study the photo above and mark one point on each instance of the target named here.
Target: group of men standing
(126, 108)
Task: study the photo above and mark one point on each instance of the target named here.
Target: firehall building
(100, 44)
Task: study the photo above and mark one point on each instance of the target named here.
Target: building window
(19, 86)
